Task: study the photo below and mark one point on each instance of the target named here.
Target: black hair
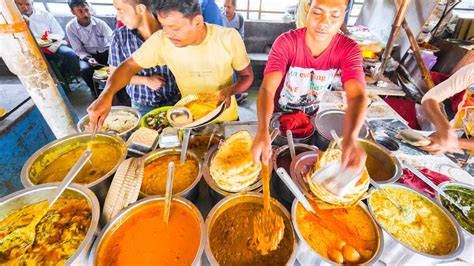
(189, 8)
(311, 1)
(147, 3)
(73, 3)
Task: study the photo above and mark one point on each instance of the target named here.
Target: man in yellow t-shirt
(201, 56)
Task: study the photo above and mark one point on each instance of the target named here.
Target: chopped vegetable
(157, 121)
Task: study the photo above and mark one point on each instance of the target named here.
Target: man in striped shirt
(151, 87)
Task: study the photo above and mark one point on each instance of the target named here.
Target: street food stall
(177, 187)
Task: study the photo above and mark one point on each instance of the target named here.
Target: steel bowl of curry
(464, 195)
(186, 177)
(230, 233)
(422, 226)
(52, 162)
(138, 235)
(344, 236)
(62, 236)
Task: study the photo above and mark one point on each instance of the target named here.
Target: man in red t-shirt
(302, 64)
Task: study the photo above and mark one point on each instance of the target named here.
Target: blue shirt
(211, 12)
(124, 43)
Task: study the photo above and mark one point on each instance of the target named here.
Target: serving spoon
(23, 238)
(184, 147)
(464, 209)
(268, 227)
(169, 192)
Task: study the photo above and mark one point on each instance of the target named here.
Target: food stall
(177, 187)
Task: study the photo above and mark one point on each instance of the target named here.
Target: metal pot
(233, 200)
(281, 139)
(332, 119)
(445, 185)
(383, 167)
(216, 193)
(41, 159)
(132, 209)
(281, 158)
(311, 257)
(38, 193)
(126, 134)
(192, 191)
(410, 251)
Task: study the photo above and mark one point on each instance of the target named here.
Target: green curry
(465, 197)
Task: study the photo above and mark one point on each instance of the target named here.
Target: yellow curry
(154, 177)
(58, 234)
(104, 158)
(431, 232)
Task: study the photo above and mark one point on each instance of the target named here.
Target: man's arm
(261, 147)
(56, 30)
(121, 77)
(244, 81)
(353, 156)
(153, 82)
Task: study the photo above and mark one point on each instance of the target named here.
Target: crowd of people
(169, 49)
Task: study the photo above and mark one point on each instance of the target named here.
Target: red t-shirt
(307, 76)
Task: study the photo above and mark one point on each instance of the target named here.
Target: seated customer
(233, 19)
(43, 24)
(151, 87)
(445, 138)
(90, 39)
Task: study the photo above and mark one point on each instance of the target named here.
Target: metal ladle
(464, 209)
(291, 143)
(169, 193)
(23, 238)
(295, 190)
(184, 147)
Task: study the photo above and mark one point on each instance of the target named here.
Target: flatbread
(413, 138)
(351, 198)
(232, 168)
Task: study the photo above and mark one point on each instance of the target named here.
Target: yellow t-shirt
(207, 67)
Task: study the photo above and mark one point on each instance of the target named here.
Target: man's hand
(442, 141)
(224, 96)
(98, 111)
(353, 155)
(155, 82)
(262, 147)
(92, 62)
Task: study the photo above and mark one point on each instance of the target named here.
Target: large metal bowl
(383, 167)
(192, 191)
(460, 237)
(217, 193)
(131, 210)
(445, 185)
(330, 119)
(40, 159)
(85, 120)
(312, 257)
(38, 193)
(236, 199)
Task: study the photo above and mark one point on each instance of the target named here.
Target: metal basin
(383, 167)
(312, 257)
(126, 134)
(216, 193)
(46, 155)
(121, 218)
(459, 236)
(38, 193)
(192, 191)
(444, 186)
(330, 119)
(251, 197)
